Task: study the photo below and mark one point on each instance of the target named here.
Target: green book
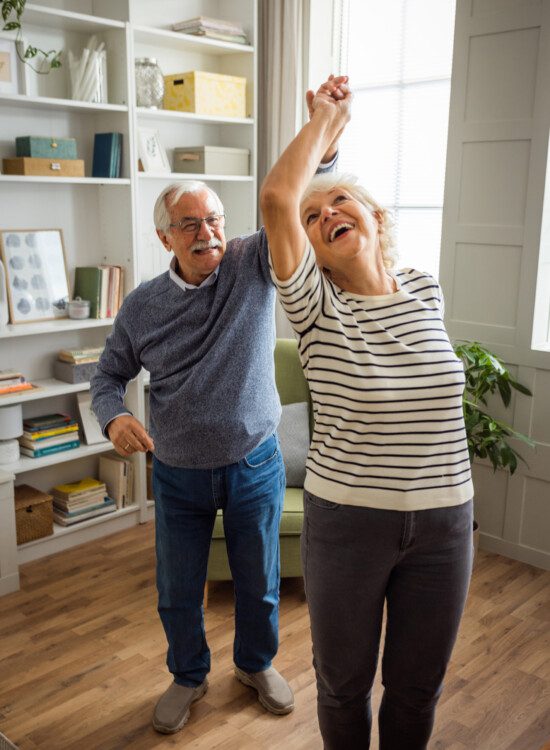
(87, 285)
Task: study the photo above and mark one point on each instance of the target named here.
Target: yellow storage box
(206, 93)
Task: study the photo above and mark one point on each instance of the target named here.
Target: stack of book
(13, 382)
(81, 500)
(107, 155)
(80, 356)
(213, 28)
(103, 286)
(51, 433)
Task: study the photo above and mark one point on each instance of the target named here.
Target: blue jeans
(250, 493)
(355, 559)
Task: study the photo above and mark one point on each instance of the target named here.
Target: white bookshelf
(108, 220)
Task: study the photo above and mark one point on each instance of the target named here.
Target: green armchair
(292, 387)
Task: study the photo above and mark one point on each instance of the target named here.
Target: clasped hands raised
(334, 93)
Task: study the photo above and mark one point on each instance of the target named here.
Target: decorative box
(33, 513)
(206, 93)
(47, 148)
(44, 167)
(70, 373)
(212, 160)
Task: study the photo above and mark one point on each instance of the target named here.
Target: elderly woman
(388, 510)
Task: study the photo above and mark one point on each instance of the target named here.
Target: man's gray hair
(171, 195)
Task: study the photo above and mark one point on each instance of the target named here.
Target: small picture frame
(36, 274)
(151, 152)
(13, 71)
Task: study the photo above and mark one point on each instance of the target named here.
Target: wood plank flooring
(82, 661)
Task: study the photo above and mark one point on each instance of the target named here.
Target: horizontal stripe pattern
(386, 388)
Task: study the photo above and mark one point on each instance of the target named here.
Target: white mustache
(205, 244)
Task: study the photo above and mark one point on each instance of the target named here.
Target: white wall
(494, 190)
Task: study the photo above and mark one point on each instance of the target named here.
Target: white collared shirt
(184, 284)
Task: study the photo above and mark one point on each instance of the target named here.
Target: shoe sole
(242, 677)
(172, 730)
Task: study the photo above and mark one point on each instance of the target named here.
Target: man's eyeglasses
(191, 225)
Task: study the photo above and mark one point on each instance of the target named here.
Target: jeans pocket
(320, 502)
(263, 454)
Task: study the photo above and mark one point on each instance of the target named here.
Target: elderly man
(205, 331)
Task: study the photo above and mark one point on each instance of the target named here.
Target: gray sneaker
(274, 692)
(174, 706)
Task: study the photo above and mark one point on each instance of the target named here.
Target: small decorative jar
(79, 308)
(149, 83)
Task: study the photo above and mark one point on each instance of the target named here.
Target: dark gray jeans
(355, 559)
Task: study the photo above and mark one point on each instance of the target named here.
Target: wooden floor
(83, 660)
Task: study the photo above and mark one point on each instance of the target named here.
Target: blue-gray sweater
(210, 354)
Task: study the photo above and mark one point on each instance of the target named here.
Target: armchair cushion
(294, 437)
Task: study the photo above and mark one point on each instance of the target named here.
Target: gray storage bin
(74, 373)
(212, 160)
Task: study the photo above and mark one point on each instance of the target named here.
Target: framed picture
(36, 274)
(13, 72)
(151, 151)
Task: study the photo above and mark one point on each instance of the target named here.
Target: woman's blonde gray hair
(171, 195)
(348, 182)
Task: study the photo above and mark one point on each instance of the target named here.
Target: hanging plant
(12, 10)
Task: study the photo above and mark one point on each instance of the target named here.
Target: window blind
(398, 55)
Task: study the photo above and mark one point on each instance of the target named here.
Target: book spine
(42, 434)
(66, 521)
(15, 388)
(80, 352)
(37, 453)
(7, 382)
(82, 511)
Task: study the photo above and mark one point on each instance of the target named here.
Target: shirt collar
(184, 284)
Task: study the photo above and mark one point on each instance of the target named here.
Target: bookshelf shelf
(64, 180)
(188, 42)
(191, 117)
(58, 18)
(26, 463)
(49, 388)
(171, 176)
(52, 326)
(63, 530)
(69, 536)
(58, 103)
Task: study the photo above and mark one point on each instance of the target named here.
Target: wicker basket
(33, 513)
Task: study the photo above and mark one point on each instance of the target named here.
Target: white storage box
(212, 160)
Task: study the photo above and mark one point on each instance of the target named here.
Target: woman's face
(339, 227)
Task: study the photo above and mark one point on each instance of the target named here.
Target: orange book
(16, 388)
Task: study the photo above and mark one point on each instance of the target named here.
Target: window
(398, 56)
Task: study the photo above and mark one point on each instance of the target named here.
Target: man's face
(198, 249)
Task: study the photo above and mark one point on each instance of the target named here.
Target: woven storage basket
(33, 513)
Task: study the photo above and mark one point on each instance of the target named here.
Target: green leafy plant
(12, 10)
(488, 437)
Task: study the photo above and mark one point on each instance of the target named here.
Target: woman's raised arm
(284, 186)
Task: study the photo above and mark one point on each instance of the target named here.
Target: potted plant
(488, 437)
(11, 11)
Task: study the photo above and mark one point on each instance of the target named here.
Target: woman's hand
(334, 90)
(128, 435)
